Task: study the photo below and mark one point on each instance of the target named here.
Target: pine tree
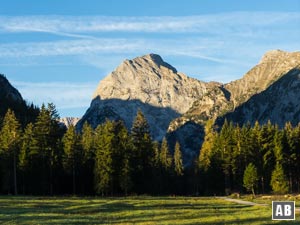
(279, 182)
(178, 164)
(250, 178)
(9, 144)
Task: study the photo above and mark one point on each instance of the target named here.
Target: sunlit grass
(131, 210)
(267, 199)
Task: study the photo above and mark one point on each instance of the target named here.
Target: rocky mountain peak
(156, 61)
(272, 66)
(152, 81)
(147, 83)
(278, 55)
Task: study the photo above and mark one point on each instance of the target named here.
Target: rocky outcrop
(69, 121)
(147, 83)
(7, 91)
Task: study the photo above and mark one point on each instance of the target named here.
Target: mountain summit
(147, 83)
(152, 81)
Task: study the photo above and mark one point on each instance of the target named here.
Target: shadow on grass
(130, 210)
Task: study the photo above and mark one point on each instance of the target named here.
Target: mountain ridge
(150, 84)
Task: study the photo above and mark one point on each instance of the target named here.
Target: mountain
(149, 84)
(11, 98)
(278, 104)
(226, 98)
(179, 107)
(268, 91)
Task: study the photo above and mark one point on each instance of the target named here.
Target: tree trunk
(262, 185)
(74, 181)
(15, 174)
(253, 193)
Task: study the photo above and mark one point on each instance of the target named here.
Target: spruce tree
(28, 152)
(103, 170)
(143, 154)
(206, 149)
(48, 134)
(250, 178)
(178, 164)
(9, 144)
(88, 147)
(165, 156)
(122, 158)
(279, 181)
(73, 154)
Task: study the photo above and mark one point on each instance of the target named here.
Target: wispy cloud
(64, 95)
(88, 24)
(216, 46)
(72, 47)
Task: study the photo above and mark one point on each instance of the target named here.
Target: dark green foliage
(43, 158)
(73, 155)
(88, 161)
(113, 162)
(279, 182)
(266, 147)
(143, 154)
(9, 149)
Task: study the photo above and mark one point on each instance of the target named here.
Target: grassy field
(132, 210)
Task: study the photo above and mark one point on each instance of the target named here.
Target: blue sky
(58, 50)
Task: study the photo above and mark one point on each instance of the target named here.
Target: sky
(58, 50)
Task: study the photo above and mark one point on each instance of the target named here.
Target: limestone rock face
(225, 98)
(149, 84)
(69, 121)
(152, 81)
(267, 91)
(279, 103)
(273, 65)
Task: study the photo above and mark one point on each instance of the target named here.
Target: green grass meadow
(131, 210)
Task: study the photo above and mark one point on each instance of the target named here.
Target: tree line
(45, 158)
(262, 159)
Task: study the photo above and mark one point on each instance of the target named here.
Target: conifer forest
(43, 157)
